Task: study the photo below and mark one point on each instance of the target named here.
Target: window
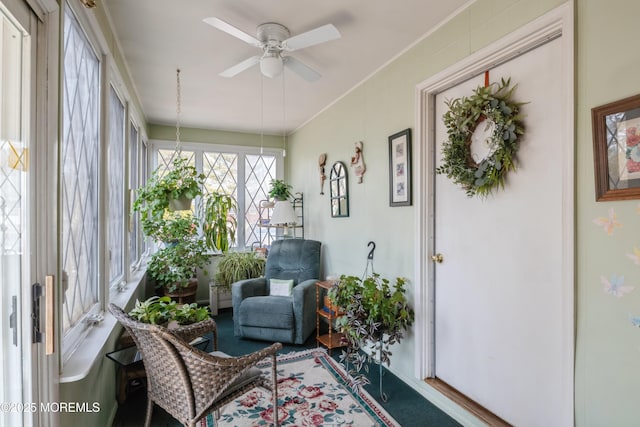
(96, 238)
(134, 254)
(260, 170)
(241, 172)
(79, 173)
(115, 206)
(143, 180)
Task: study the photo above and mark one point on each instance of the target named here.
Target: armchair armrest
(245, 289)
(249, 287)
(304, 308)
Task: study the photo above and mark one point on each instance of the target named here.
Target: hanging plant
(152, 200)
(483, 134)
(376, 314)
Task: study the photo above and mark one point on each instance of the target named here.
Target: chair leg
(147, 421)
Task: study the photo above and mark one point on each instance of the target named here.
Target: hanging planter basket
(182, 203)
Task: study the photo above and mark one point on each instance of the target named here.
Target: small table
(130, 365)
(330, 340)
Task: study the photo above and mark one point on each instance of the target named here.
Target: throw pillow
(281, 288)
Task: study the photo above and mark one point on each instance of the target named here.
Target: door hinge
(36, 293)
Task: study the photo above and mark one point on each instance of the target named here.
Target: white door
(18, 395)
(499, 291)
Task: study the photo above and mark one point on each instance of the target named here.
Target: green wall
(607, 343)
(379, 107)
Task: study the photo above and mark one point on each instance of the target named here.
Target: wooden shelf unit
(331, 339)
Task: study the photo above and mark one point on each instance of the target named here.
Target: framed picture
(400, 168)
(616, 149)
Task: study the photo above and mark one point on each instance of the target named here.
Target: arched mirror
(339, 190)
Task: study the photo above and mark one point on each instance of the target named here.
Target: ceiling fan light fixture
(271, 65)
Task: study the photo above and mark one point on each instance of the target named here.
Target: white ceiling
(159, 36)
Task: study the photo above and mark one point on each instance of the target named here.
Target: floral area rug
(313, 390)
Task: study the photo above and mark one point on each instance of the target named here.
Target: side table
(331, 339)
(130, 366)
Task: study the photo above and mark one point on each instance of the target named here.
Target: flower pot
(185, 295)
(183, 203)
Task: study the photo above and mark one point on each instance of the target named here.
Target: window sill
(80, 363)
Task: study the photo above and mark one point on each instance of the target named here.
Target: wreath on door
(483, 134)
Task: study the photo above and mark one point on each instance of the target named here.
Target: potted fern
(376, 315)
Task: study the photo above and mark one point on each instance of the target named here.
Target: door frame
(558, 22)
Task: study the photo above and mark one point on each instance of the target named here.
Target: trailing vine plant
(488, 106)
(376, 314)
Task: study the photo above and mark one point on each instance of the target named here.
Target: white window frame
(73, 336)
(109, 76)
(199, 148)
(114, 281)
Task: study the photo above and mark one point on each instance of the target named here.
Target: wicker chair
(189, 383)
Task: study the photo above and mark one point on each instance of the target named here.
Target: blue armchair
(260, 315)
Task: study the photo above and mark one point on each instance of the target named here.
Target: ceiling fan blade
(241, 66)
(310, 38)
(230, 29)
(300, 68)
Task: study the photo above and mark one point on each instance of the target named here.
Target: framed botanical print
(400, 168)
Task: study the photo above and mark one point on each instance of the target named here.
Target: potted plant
(162, 310)
(155, 310)
(182, 250)
(376, 314)
(236, 266)
(174, 267)
(188, 314)
(181, 181)
(219, 227)
(279, 190)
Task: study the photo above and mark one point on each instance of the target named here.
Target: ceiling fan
(274, 39)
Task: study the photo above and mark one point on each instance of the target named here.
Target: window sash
(134, 224)
(115, 205)
(79, 173)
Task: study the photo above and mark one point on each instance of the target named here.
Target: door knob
(437, 258)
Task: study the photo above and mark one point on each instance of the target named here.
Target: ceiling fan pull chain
(178, 111)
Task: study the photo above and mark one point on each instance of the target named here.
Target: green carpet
(404, 404)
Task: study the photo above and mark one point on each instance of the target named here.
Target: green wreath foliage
(494, 103)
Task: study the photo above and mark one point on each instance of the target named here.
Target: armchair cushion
(267, 312)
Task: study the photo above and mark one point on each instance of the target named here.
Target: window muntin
(79, 173)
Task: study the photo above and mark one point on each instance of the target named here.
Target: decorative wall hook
(322, 161)
(357, 161)
(370, 256)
